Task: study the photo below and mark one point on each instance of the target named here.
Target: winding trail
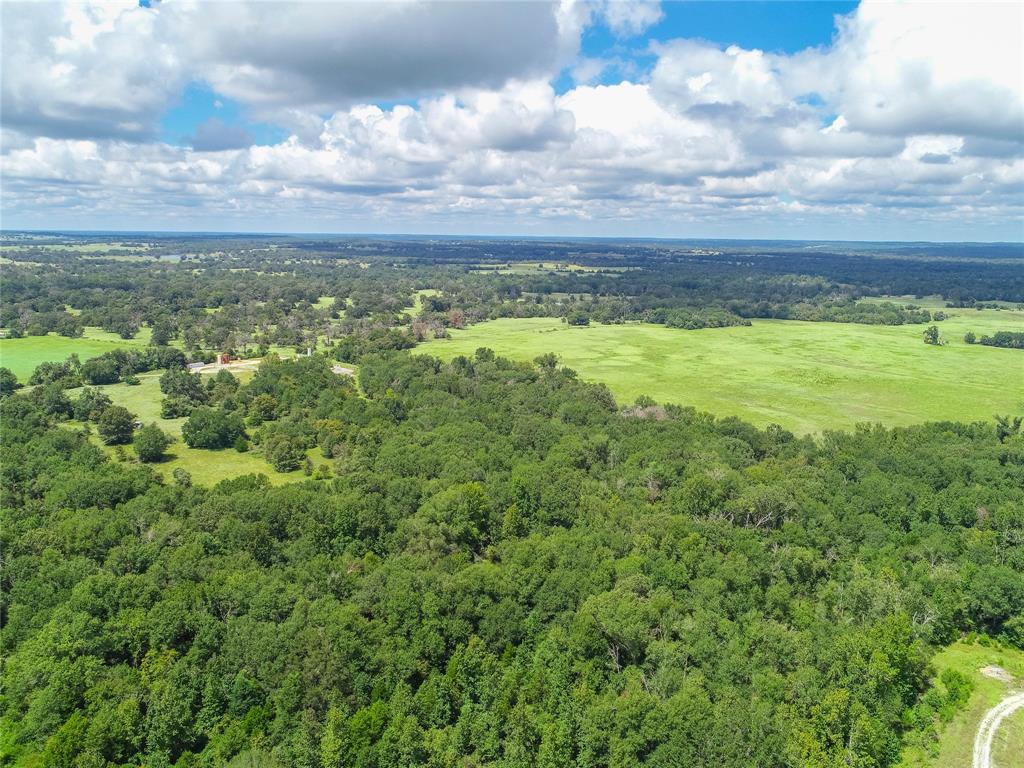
(989, 725)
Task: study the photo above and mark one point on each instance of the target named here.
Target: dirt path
(989, 725)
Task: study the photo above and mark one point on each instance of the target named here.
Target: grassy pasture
(956, 739)
(24, 354)
(808, 377)
(77, 247)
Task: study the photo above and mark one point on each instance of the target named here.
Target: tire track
(989, 725)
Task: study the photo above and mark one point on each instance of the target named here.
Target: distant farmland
(805, 376)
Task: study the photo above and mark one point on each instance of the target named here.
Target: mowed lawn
(807, 377)
(24, 354)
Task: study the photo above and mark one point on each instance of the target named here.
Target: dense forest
(499, 565)
(509, 569)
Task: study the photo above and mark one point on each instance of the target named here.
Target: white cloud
(904, 68)
(693, 74)
(904, 115)
(327, 54)
(85, 70)
(626, 18)
(109, 69)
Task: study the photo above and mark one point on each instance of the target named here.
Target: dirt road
(989, 725)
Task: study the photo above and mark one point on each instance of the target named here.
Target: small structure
(223, 358)
(195, 366)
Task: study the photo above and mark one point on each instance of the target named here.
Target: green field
(805, 376)
(205, 467)
(77, 247)
(24, 354)
(956, 739)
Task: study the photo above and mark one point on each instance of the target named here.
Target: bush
(175, 407)
(151, 443)
(8, 381)
(180, 383)
(67, 374)
(101, 370)
(210, 428)
(90, 404)
(116, 425)
(263, 408)
(285, 453)
(50, 398)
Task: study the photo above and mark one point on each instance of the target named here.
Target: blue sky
(878, 120)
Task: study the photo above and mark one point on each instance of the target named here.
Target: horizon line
(425, 235)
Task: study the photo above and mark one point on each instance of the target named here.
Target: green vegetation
(419, 296)
(23, 355)
(481, 561)
(151, 443)
(212, 428)
(953, 747)
(504, 568)
(204, 466)
(115, 425)
(808, 377)
(89, 248)
(541, 267)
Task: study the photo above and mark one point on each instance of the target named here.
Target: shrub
(151, 442)
(210, 428)
(101, 370)
(116, 425)
(176, 382)
(175, 407)
(90, 404)
(8, 381)
(284, 452)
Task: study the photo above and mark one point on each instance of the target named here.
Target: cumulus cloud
(85, 70)
(909, 68)
(324, 54)
(903, 115)
(109, 69)
(627, 18)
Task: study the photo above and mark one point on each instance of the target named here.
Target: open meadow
(807, 377)
(205, 466)
(24, 354)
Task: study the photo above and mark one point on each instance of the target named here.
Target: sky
(814, 120)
